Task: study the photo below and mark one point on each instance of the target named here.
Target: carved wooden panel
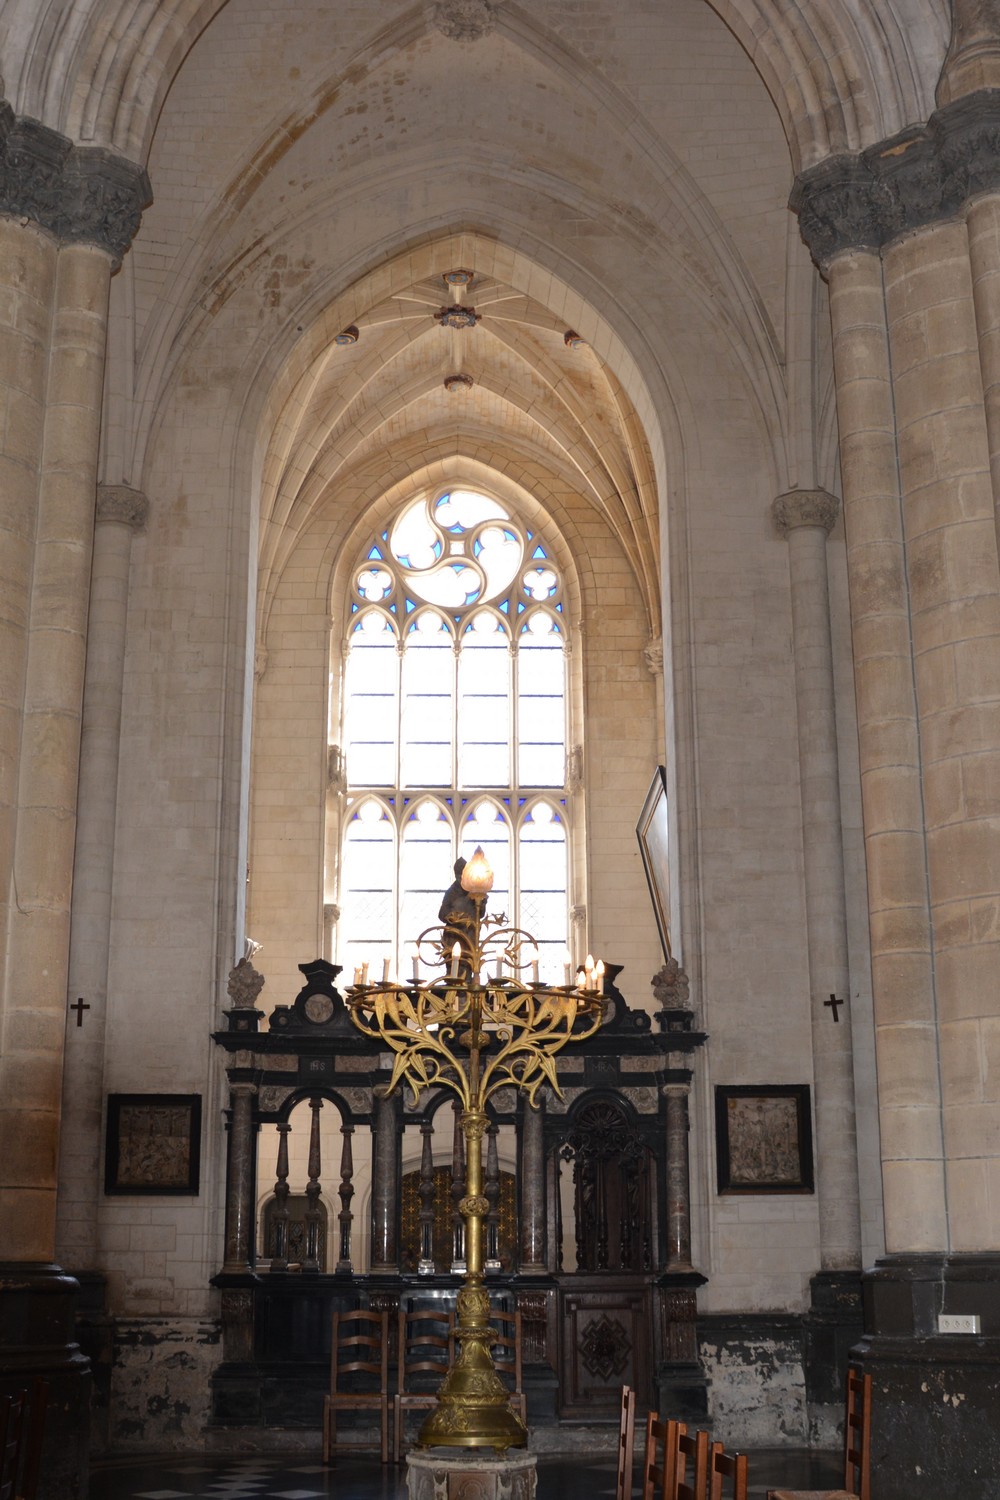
(605, 1345)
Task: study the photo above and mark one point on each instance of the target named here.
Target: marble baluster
(313, 1215)
(346, 1192)
(279, 1214)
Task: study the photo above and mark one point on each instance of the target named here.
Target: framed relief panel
(153, 1143)
(763, 1138)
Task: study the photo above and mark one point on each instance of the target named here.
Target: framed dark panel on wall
(153, 1143)
(763, 1138)
(653, 835)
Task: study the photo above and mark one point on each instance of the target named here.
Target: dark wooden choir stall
(588, 1234)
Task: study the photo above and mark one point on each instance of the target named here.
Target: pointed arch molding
(842, 73)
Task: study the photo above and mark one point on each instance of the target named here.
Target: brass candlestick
(475, 1035)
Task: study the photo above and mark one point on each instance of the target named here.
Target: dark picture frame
(653, 833)
(153, 1144)
(763, 1138)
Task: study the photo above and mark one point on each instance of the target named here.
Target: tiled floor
(298, 1477)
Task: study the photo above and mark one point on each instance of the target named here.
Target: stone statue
(671, 987)
(245, 983)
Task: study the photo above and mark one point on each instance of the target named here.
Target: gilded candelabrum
(480, 1025)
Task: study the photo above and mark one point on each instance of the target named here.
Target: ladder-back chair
(425, 1347)
(693, 1446)
(725, 1467)
(359, 1378)
(506, 1352)
(857, 1447)
(626, 1445)
(659, 1461)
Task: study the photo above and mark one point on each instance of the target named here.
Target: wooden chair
(13, 1423)
(506, 1351)
(693, 1446)
(723, 1466)
(659, 1459)
(32, 1437)
(857, 1447)
(359, 1377)
(426, 1343)
(626, 1445)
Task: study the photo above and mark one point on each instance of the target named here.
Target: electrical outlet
(958, 1323)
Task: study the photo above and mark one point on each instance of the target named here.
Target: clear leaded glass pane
(368, 888)
(428, 704)
(541, 704)
(483, 727)
(489, 829)
(544, 877)
(425, 862)
(370, 719)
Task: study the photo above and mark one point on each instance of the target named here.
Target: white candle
(455, 951)
(498, 970)
(364, 972)
(567, 969)
(599, 975)
(534, 971)
(385, 971)
(357, 973)
(416, 964)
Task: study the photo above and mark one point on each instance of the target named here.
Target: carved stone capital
(245, 983)
(805, 508)
(81, 194)
(336, 769)
(331, 913)
(119, 502)
(973, 60)
(652, 655)
(259, 662)
(464, 20)
(922, 176)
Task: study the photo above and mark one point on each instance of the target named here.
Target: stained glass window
(454, 727)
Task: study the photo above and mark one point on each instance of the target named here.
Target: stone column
(905, 233)
(889, 749)
(805, 518)
(385, 1185)
(120, 511)
(38, 928)
(531, 1252)
(240, 1180)
(954, 585)
(27, 278)
(89, 203)
(652, 655)
(68, 214)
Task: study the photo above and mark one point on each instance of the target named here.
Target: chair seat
(811, 1495)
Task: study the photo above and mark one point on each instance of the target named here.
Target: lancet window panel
(396, 848)
(454, 684)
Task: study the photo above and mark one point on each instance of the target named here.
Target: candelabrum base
(473, 1409)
